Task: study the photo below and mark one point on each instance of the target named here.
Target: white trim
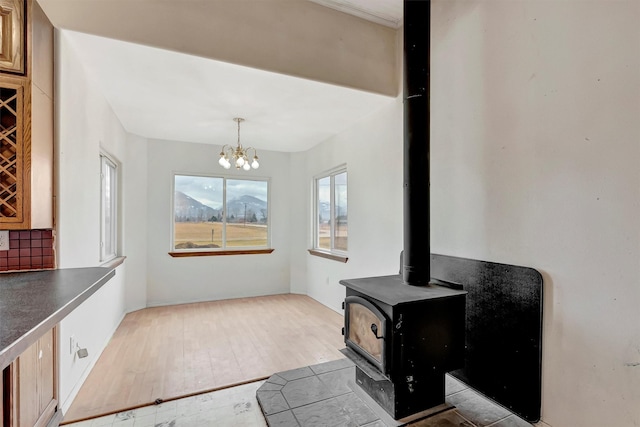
(109, 161)
(331, 173)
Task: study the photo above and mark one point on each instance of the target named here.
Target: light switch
(4, 240)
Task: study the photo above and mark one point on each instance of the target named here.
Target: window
(108, 209)
(220, 214)
(331, 225)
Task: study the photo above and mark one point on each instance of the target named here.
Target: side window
(216, 213)
(331, 215)
(108, 209)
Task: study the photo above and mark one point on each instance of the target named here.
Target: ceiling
(385, 12)
(162, 94)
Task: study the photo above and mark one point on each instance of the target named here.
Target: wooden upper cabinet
(26, 120)
(11, 151)
(12, 32)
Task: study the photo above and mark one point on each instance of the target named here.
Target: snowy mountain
(249, 208)
(189, 209)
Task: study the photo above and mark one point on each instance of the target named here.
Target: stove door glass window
(366, 330)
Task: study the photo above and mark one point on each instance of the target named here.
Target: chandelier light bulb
(255, 163)
(223, 161)
(246, 166)
(239, 162)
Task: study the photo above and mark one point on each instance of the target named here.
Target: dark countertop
(33, 302)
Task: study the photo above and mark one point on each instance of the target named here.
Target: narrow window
(217, 213)
(331, 218)
(108, 209)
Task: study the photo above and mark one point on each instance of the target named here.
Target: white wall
(204, 278)
(535, 149)
(134, 221)
(85, 124)
(300, 217)
(372, 150)
(91, 324)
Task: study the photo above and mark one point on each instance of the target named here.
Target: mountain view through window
(220, 213)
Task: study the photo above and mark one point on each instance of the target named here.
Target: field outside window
(331, 226)
(217, 213)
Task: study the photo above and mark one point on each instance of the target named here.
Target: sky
(209, 190)
(324, 190)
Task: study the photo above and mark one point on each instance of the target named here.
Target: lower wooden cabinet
(30, 389)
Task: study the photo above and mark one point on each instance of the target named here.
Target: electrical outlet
(4, 240)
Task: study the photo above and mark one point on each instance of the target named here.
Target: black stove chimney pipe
(417, 250)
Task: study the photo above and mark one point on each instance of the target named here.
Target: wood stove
(403, 339)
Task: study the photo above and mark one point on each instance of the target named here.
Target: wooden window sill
(219, 253)
(334, 257)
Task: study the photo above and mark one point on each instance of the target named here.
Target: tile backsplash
(28, 250)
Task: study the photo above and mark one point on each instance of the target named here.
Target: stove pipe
(417, 250)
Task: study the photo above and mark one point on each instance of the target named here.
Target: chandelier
(239, 156)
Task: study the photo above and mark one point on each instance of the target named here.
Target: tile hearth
(314, 395)
(326, 395)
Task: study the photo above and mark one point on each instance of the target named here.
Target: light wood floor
(175, 351)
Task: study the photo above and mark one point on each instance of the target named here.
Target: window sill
(113, 263)
(219, 253)
(328, 255)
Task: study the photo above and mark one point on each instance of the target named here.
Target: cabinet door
(36, 384)
(12, 40)
(47, 404)
(12, 149)
(28, 399)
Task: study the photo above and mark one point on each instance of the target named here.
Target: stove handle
(374, 329)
